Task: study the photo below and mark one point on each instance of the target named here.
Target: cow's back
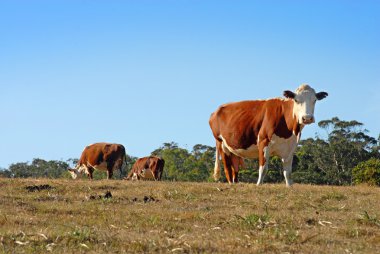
(152, 164)
(97, 153)
(238, 122)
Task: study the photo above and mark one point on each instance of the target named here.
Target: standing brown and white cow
(150, 167)
(100, 156)
(260, 128)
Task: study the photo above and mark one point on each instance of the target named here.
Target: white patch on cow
(260, 180)
(283, 147)
(304, 104)
(74, 173)
(134, 177)
(277, 146)
(79, 169)
(251, 152)
(84, 169)
(287, 164)
(264, 168)
(225, 148)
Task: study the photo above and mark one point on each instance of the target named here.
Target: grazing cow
(150, 167)
(100, 156)
(260, 128)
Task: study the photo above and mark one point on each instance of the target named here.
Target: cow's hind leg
(227, 163)
(236, 161)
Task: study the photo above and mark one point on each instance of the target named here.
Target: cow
(100, 156)
(260, 128)
(150, 167)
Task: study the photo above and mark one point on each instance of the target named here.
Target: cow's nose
(306, 119)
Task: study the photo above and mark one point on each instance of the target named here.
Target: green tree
(130, 160)
(39, 168)
(367, 172)
(201, 160)
(331, 161)
(182, 165)
(5, 173)
(312, 165)
(250, 172)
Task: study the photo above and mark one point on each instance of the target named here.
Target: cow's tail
(218, 151)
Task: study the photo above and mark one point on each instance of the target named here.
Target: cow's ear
(321, 95)
(70, 169)
(289, 94)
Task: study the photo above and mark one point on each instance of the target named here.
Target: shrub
(367, 172)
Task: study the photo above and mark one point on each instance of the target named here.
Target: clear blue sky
(142, 73)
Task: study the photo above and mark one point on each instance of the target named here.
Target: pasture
(113, 216)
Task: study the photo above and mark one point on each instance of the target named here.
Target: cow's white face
(304, 99)
(73, 172)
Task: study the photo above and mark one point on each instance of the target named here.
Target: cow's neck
(291, 119)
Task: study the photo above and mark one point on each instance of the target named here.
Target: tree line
(347, 156)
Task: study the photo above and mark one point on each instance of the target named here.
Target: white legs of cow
(284, 151)
(287, 170)
(287, 161)
(262, 173)
(263, 168)
(287, 165)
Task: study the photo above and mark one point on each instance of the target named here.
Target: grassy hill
(67, 216)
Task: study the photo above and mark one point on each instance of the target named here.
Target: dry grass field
(67, 216)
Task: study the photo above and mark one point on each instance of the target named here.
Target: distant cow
(100, 156)
(260, 128)
(145, 168)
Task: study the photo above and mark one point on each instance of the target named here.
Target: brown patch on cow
(113, 155)
(241, 123)
(153, 163)
(240, 126)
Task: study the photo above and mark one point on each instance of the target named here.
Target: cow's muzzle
(308, 119)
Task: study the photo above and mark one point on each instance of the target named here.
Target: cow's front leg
(287, 165)
(263, 160)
